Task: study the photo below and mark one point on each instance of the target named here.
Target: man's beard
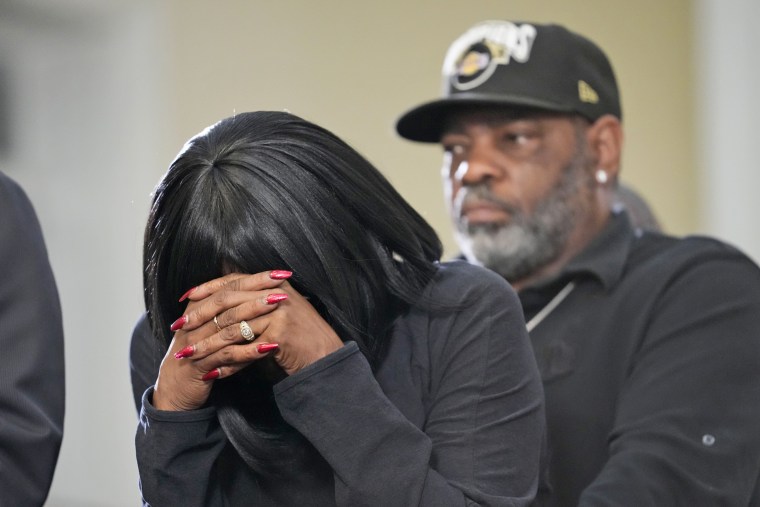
(529, 241)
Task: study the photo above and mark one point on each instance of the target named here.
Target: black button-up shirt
(651, 370)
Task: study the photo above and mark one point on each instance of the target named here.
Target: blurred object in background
(639, 211)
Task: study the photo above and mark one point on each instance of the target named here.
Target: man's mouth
(483, 212)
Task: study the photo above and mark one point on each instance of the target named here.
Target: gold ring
(246, 331)
(216, 323)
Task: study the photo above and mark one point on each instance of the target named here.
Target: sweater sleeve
(145, 356)
(484, 428)
(176, 453)
(31, 338)
(686, 427)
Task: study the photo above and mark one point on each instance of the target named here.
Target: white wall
(726, 51)
(83, 95)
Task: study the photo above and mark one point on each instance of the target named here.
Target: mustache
(479, 194)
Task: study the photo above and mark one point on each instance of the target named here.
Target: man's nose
(480, 166)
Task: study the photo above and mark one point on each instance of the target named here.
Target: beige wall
(355, 66)
(104, 92)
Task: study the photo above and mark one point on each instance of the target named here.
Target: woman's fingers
(229, 313)
(232, 359)
(185, 384)
(226, 371)
(227, 336)
(226, 308)
(237, 282)
(230, 306)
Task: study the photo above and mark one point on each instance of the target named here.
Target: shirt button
(708, 440)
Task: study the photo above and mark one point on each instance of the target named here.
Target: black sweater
(453, 416)
(651, 371)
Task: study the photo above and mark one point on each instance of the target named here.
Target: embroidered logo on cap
(586, 93)
(473, 57)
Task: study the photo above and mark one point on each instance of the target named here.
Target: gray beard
(528, 242)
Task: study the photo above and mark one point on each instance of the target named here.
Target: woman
(324, 356)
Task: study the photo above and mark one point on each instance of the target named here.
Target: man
(649, 346)
(31, 341)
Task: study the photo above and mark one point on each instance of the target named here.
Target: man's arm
(31, 340)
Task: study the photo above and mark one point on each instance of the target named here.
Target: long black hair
(269, 190)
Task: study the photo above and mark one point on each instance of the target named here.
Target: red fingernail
(280, 274)
(275, 298)
(263, 348)
(179, 323)
(211, 375)
(186, 352)
(187, 294)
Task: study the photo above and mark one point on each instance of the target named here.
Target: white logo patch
(473, 57)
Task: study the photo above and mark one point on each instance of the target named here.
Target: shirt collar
(604, 258)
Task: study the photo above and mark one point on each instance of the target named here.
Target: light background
(98, 96)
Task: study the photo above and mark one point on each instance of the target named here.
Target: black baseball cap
(518, 64)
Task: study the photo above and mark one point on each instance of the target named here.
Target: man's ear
(605, 137)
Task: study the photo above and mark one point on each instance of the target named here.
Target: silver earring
(601, 176)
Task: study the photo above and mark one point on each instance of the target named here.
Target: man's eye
(517, 138)
(455, 149)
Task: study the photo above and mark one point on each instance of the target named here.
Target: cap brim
(425, 123)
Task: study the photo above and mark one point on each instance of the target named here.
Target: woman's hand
(283, 322)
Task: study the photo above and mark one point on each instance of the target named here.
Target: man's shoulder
(12, 196)
(7, 182)
(460, 275)
(657, 247)
(459, 286)
(660, 251)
